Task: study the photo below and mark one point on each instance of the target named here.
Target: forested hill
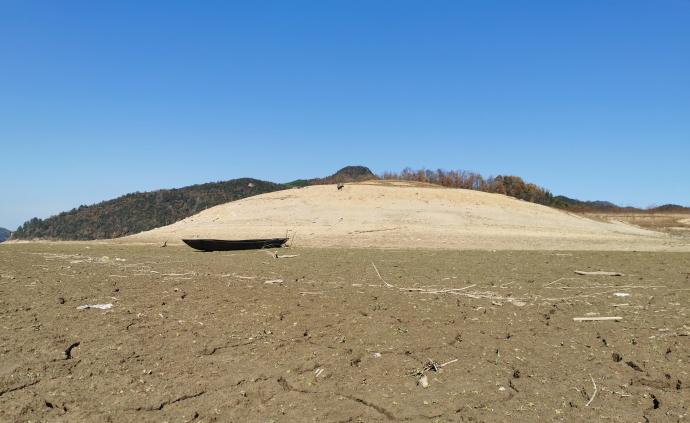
(140, 211)
(4, 234)
(137, 212)
(346, 174)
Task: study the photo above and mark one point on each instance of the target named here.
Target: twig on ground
(68, 352)
(596, 319)
(594, 394)
(448, 362)
(558, 280)
(598, 273)
(379, 275)
(610, 286)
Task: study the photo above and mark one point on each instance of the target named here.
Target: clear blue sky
(590, 99)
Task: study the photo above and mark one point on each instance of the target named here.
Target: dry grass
(671, 223)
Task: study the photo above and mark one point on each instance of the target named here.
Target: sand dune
(405, 215)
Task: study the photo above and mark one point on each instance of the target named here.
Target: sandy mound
(405, 215)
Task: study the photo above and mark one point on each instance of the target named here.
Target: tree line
(513, 186)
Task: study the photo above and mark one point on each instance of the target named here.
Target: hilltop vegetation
(346, 174)
(512, 186)
(4, 234)
(136, 212)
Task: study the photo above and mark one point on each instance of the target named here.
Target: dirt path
(340, 335)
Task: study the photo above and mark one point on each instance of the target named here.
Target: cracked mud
(202, 337)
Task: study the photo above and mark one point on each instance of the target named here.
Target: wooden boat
(229, 245)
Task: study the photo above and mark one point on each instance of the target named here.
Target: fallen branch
(379, 275)
(594, 394)
(560, 279)
(448, 362)
(98, 306)
(598, 273)
(68, 352)
(454, 291)
(609, 286)
(596, 319)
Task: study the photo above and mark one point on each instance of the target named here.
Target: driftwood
(275, 254)
(598, 273)
(597, 319)
(98, 306)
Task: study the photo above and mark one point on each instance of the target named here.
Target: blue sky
(590, 99)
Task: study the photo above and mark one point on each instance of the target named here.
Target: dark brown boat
(230, 245)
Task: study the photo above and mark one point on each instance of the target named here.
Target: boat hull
(231, 245)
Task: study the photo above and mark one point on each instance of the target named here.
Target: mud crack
(164, 404)
(18, 388)
(289, 388)
(373, 406)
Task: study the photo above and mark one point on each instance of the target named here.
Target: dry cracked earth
(340, 335)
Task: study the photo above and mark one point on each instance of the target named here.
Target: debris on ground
(597, 319)
(423, 381)
(98, 306)
(598, 273)
(67, 354)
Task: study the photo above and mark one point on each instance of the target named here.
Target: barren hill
(407, 215)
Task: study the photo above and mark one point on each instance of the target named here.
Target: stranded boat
(229, 245)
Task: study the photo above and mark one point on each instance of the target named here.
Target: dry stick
(594, 394)
(560, 279)
(596, 319)
(379, 275)
(598, 273)
(454, 291)
(611, 286)
(444, 291)
(448, 362)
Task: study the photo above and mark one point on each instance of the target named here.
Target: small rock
(60, 300)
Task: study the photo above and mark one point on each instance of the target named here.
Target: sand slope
(404, 215)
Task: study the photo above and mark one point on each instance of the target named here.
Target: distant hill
(4, 234)
(137, 212)
(563, 202)
(140, 211)
(571, 204)
(346, 174)
(670, 208)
